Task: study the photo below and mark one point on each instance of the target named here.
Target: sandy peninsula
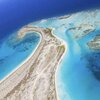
(34, 79)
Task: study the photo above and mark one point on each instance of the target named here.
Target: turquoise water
(77, 78)
(79, 74)
(13, 51)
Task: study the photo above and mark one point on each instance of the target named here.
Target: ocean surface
(79, 74)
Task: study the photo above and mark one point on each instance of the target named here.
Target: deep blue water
(16, 13)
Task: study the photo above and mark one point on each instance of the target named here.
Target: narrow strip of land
(35, 78)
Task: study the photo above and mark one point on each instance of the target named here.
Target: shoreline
(58, 68)
(46, 35)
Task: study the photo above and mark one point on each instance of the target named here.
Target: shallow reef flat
(35, 78)
(95, 43)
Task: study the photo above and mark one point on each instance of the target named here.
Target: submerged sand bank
(35, 78)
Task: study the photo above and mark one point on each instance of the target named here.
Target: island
(34, 79)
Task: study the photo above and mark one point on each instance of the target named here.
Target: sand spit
(35, 78)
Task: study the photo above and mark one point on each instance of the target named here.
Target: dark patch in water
(1, 61)
(93, 61)
(24, 44)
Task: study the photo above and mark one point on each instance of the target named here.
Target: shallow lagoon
(13, 52)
